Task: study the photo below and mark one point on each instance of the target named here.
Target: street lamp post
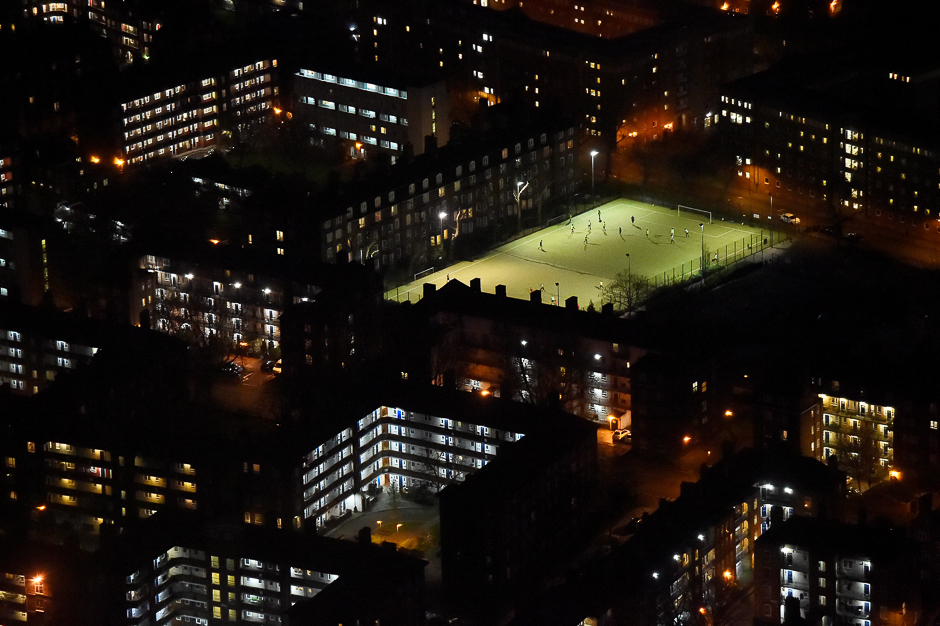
(771, 220)
(593, 201)
(442, 215)
(702, 226)
(557, 295)
(629, 283)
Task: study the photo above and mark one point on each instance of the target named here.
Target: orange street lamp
(95, 159)
(895, 474)
(277, 111)
(41, 507)
(610, 421)
(727, 575)
(728, 413)
(119, 162)
(686, 439)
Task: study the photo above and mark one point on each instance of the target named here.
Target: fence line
(727, 255)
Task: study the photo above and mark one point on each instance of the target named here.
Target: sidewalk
(411, 526)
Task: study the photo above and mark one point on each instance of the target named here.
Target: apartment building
(508, 525)
(26, 596)
(837, 573)
(129, 26)
(430, 437)
(235, 294)
(7, 184)
(220, 573)
(617, 82)
(91, 487)
(373, 111)
(848, 428)
(534, 352)
(38, 343)
(190, 568)
(807, 137)
(428, 204)
(691, 553)
(7, 264)
(172, 117)
(879, 426)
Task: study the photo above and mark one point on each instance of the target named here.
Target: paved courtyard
(581, 255)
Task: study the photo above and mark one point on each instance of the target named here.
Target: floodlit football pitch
(574, 259)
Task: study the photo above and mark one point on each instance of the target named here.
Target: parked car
(232, 370)
(268, 366)
(276, 368)
(623, 434)
(853, 237)
(789, 218)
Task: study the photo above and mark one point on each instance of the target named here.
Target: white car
(789, 218)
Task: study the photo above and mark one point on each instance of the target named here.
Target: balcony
(853, 609)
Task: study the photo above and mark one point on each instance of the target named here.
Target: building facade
(429, 204)
(129, 26)
(849, 428)
(533, 352)
(184, 116)
(25, 597)
(188, 568)
(840, 574)
(38, 344)
(618, 86)
(807, 140)
(240, 306)
(369, 117)
(394, 447)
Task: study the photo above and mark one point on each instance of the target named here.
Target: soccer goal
(558, 219)
(697, 213)
(424, 273)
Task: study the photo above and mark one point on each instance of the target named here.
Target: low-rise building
(446, 197)
(534, 352)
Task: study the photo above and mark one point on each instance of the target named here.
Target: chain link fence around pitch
(722, 257)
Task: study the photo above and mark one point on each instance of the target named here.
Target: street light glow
(594, 153)
(442, 215)
(237, 285)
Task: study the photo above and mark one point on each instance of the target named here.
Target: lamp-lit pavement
(419, 530)
(246, 395)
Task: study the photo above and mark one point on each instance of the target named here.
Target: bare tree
(625, 291)
(861, 457)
